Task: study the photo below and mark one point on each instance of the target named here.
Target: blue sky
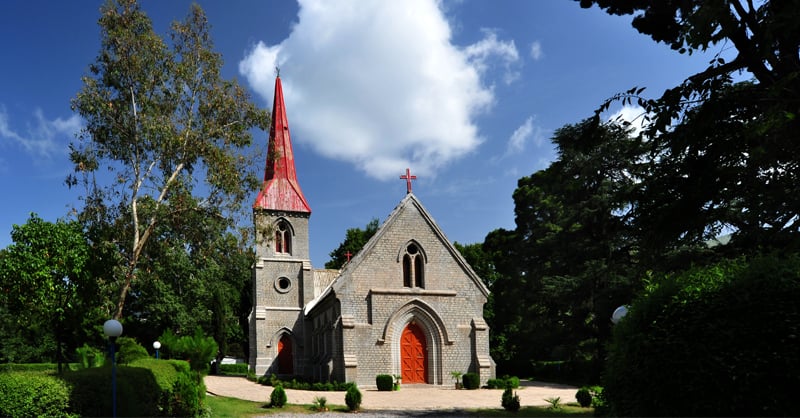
(465, 93)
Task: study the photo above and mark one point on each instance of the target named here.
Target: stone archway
(413, 354)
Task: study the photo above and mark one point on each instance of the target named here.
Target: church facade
(407, 304)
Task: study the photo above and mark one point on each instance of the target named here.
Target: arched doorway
(414, 355)
(285, 357)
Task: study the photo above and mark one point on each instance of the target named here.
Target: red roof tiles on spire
(280, 190)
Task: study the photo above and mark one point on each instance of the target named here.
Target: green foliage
(353, 398)
(130, 350)
(584, 397)
(503, 383)
(197, 349)
(555, 403)
(89, 357)
(272, 380)
(146, 387)
(714, 340)
(320, 403)
(158, 116)
(277, 398)
(510, 400)
(568, 263)
(234, 369)
(384, 382)
(33, 394)
(471, 381)
(354, 240)
(45, 291)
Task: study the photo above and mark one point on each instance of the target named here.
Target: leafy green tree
(723, 155)
(46, 292)
(165, 136)
(353, 242)
(570, 261)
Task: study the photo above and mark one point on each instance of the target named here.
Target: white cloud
(527, 132)
(43, 139)
(481, 53)
(536, 50)
(634, 115)
(379, 84)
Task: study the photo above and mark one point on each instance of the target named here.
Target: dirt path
(408, 398)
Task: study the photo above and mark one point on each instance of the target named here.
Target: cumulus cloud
(633, 115)
(380, 84)
(536, 50)
(525, 133)
(43, 138)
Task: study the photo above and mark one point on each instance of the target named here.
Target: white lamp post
(619, 313)
(113, 329)
(156, 346)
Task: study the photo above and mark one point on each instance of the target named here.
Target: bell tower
(282, 276)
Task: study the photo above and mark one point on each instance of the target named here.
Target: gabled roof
(409, 200)
(280, 191)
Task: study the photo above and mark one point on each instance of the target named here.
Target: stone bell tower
(282, 273)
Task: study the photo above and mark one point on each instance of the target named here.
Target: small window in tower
(283, 284)
(283, 238)
(413, 267)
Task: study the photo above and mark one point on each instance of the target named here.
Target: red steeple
(281, 190)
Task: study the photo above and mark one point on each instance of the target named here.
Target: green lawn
(231, 408)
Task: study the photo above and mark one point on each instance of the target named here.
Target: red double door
(414, 355)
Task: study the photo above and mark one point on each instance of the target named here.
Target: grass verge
(222, 407)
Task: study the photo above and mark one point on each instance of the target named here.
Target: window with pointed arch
(413, 267)
(283, 238)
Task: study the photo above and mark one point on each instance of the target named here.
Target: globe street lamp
(619, 313)
(113, 329)
(156, 346)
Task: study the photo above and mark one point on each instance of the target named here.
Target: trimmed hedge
(146, 387)
(384, 382)
(33, 394)
(720, 340)
(236, 369)
(471, 381)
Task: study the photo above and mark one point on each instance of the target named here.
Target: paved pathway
(408, 398)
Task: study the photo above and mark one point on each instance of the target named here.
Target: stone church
(407, 304)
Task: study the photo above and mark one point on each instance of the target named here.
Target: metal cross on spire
(408, 177)
(348, 254)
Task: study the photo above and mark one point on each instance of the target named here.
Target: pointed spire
(281, 191)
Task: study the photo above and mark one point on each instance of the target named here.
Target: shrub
(89, 357)
(715, 340)
(511, 381)
(277, 399)
(33, 394)
(236, 369)
(471, 381)
(130, 350)
(146, 387)
(353, 398)
(384, 382)
(496, 384)
(555, 403)
(584, 397)
(510, 400)
(320, 403)
(198, 349)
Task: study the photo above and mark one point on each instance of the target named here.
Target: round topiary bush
(277, 399)
(584, 397)
(471, 380)
(353, 398)
(384, 382)
(718, 340)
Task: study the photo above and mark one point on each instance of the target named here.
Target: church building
(407, 304)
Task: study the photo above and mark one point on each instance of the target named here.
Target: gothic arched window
(413, 263)
(283, 238)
